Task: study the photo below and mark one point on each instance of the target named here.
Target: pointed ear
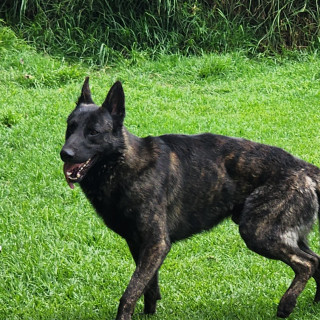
(114, 103)
(85, 93)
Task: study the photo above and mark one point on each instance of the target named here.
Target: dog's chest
(101, 191)
(106, 194)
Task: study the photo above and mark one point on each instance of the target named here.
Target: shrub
(99, 31)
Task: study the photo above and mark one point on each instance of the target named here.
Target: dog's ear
(114, 103)
(85, 93)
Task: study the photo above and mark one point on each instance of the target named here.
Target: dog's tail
(317, 181)
(314, 174)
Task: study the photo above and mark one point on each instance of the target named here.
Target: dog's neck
(139, 152)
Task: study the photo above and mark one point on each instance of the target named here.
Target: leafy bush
(99, 31)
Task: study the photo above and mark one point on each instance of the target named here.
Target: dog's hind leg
(274, 221)
(304, 266)
(303, 246)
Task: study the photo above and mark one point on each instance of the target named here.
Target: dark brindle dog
(154, 191)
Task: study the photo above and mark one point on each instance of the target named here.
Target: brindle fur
(154, 191)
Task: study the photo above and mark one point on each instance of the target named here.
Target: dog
(154, 191)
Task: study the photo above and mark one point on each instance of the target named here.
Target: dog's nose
(66, 154)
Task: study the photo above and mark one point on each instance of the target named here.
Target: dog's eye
(93, 132)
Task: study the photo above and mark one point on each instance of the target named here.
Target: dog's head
(92, 132)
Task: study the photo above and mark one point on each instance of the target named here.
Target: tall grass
(99, 31)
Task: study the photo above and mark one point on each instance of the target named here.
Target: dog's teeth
(76, 173)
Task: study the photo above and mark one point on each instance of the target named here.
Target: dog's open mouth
(75, 172)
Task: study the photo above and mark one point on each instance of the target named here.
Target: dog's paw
(286, 306)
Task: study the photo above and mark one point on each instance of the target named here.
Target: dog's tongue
(68, 167)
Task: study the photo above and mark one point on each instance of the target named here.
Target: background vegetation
(100, 31)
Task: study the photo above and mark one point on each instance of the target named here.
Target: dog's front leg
(148, 263)
(152, 295)
(152, 291)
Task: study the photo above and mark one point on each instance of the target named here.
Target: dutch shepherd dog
(154, 191)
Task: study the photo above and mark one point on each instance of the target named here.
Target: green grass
(58, 260)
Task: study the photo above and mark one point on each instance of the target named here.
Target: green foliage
(101, 31)
(58, 261)
(8, 40)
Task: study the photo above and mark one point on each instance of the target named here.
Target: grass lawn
(58, 261)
